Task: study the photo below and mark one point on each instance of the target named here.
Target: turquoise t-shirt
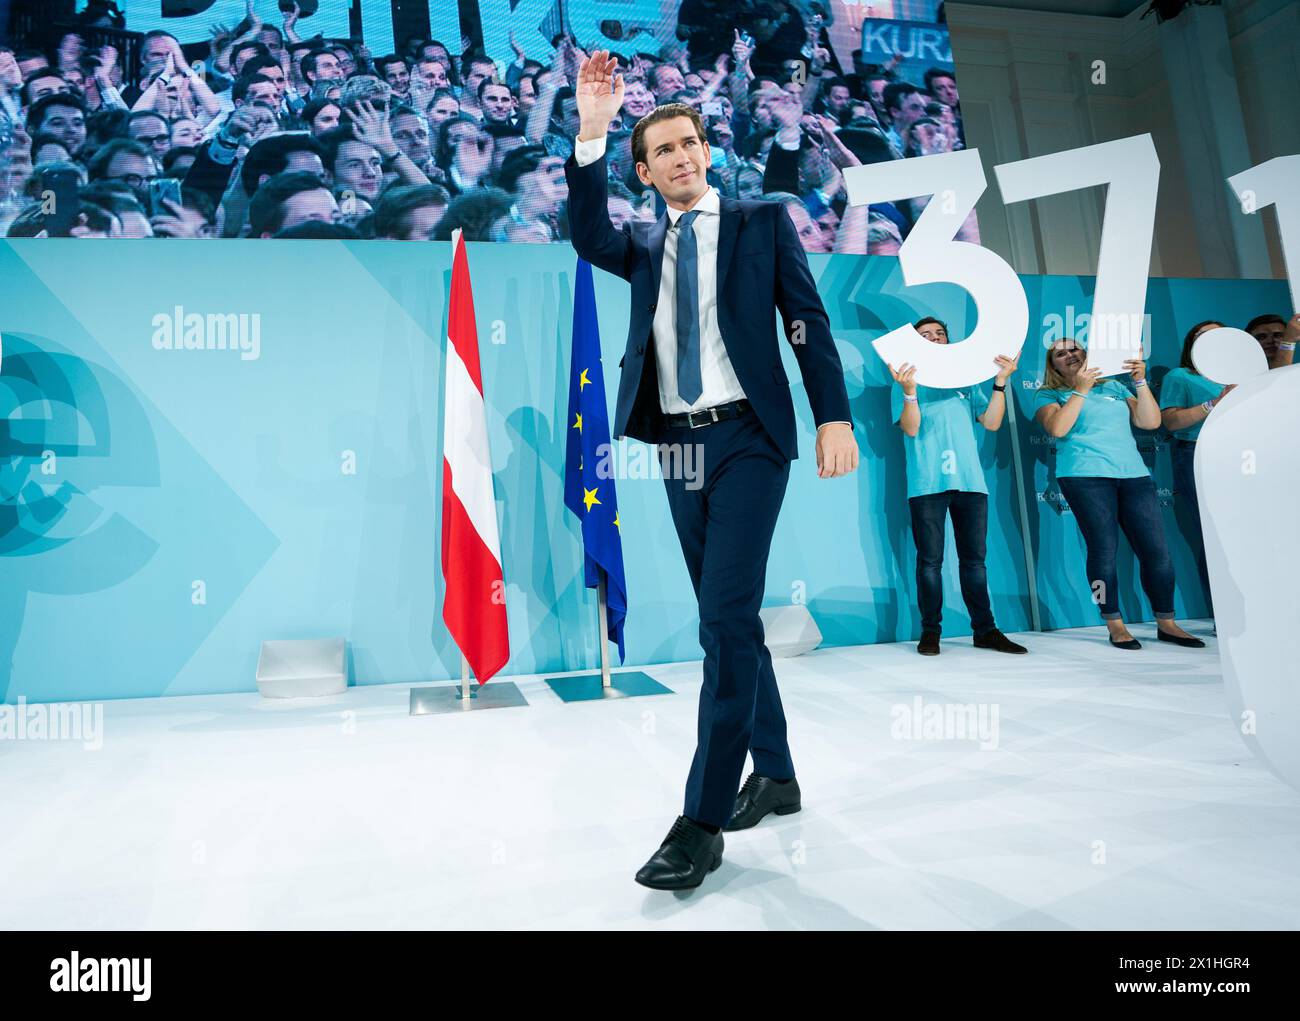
(1101, 444)
(1183, 388)
(943, 454)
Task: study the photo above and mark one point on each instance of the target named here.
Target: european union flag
(589, 459)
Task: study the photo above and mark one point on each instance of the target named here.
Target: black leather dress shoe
(998, 642)
(929, 643)
(1188, 642)
(687, 855)
(760, 795)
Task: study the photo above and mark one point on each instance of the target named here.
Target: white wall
(1026, 90)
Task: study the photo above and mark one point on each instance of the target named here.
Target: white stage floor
(1119, 796)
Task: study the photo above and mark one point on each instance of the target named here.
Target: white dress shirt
(720, 385)
(716, 374)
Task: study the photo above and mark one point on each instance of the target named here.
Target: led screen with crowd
(225, 118)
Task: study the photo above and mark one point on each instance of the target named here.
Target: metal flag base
(450, 698)
(591, 687)
(600, 686)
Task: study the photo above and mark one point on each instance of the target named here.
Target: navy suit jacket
(762, 269)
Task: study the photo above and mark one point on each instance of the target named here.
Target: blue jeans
(970, 515)
(1184, 456)
(1102, 507)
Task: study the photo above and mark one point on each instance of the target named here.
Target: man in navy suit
(702, 368)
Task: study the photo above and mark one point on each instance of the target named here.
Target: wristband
(1000, 388)
(223, 150)
(1139, 382)
(1075, 393)
(911, 398)
(1208, 406)
(1283, 346)
(224, 154)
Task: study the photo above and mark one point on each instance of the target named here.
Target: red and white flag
(473, 605)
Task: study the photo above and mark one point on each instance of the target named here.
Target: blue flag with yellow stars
(589, 460)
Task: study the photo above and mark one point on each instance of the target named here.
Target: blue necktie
(689, 386)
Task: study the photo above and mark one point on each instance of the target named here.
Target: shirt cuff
(588, 151)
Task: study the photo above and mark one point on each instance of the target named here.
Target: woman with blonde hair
(1106, 482)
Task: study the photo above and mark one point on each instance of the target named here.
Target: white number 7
(1131, 170)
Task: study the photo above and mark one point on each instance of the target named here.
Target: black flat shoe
(1188, 643)
(929, 643)
(687, 855)
(1132, 643)
(998, 642)
(760, 795)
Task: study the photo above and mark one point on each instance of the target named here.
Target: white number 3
(930, 255)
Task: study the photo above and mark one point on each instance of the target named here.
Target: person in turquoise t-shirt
(1186, 400)
(1106, 482)
(945, 477)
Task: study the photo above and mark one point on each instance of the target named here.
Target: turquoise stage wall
(162, 512)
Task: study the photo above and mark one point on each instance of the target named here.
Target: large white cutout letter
(1131, 169)
(1247, 477)
(1277, 183)
(930, 255)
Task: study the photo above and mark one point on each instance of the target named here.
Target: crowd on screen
(266, 134)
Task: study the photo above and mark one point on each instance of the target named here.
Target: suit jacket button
(652, 308)
(640, 349)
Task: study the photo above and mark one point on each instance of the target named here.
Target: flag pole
(583, 687)
(603, 634)
(606, 544)
(464, 677)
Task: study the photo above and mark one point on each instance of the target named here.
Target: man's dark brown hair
(662, 113)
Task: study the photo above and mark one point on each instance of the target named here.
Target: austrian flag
(473, 605)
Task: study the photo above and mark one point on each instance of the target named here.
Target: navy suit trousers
(725, 515)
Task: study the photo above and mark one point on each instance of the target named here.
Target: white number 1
(1276, 183)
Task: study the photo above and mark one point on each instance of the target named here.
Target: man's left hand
(837, 450)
